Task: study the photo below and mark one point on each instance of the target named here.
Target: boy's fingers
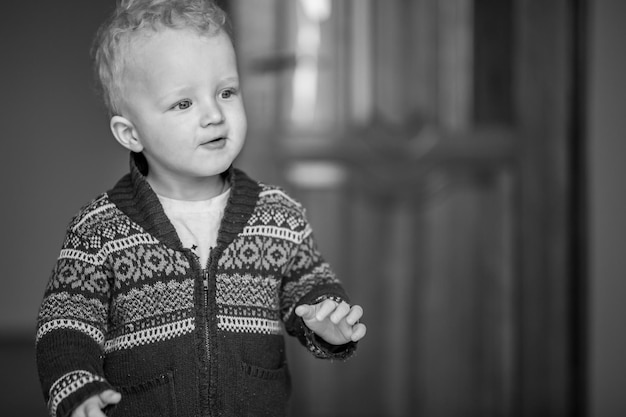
(92, 407)
(325, 308)
(332, 310)
(358, 332)
(356, 312)
(340, 312)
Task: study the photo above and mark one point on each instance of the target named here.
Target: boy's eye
(182, 105)
(226, 94)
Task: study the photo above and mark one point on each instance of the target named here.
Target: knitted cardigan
(128, 308)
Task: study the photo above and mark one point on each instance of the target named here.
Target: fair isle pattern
(280, 210)
(250, 303)
(89, 310)
(92, 210)
(156, 321)
(101, 209)
(277, 244)
(145, 263)
(247, 290)
(106, 249)
(91, 331)
(258, 253)
(68, 384)
(162, 298)
(269, 191)
(102, 217)
(277, 232)
(72, 275)
(268, 242)
(249, 325)
(151, 335)
(305, 258)
(101, 228)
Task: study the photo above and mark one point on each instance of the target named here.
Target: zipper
(207, 303)
(205, 283)
(204, 273)
(207, 300)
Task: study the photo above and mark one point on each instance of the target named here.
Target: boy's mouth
(215, 142)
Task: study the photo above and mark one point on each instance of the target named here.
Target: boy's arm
(310, 281)
(71, 326)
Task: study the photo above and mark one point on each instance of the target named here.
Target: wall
(607, 208)
(57, 150)
(56, 154)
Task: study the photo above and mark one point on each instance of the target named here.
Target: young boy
(173, 289)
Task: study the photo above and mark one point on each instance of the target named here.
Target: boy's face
(183, 102)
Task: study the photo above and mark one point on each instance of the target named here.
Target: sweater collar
(134, 197)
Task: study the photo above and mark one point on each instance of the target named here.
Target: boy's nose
(212, 114)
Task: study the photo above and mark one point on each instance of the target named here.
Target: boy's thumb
(110, 397)
(305, 311)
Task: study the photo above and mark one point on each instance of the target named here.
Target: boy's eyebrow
(167, 95)
(172, 93)
(231, 79)
(183, 87)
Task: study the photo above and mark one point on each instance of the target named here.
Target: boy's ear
(125, 133)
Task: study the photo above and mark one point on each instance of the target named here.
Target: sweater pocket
(151, 398)
(265, 392)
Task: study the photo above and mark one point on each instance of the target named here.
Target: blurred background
(460, 161)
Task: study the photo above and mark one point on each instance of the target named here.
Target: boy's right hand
(93, 406)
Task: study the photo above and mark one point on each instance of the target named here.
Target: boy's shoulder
(274, 196)
(276, 208)
(100, 216)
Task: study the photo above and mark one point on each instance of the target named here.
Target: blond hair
(131, 17)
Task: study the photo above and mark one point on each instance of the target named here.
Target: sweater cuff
(324, 350)
(73, 389)
(321, 348)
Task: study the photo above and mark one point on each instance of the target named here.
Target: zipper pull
(205, 278)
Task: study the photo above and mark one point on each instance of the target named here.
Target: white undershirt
(196, 222)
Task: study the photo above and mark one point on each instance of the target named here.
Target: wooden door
(430, 142)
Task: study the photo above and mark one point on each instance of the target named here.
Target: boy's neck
(197, 189)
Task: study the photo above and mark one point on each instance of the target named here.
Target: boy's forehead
(175, 48)
(161, 37)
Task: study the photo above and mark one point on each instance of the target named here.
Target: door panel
(431, 157)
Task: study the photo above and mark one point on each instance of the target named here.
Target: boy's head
(113, 46)
(169, 75)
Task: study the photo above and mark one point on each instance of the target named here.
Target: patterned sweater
(128, 308)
